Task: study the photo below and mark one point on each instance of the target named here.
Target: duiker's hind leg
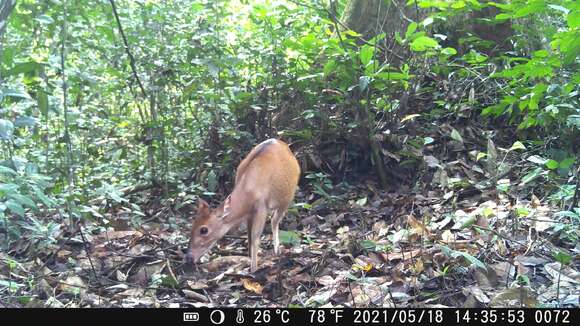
(276, 218)
(255, 229)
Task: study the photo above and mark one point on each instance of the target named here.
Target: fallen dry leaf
(252, 286)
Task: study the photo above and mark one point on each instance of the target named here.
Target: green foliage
(543, 85)
(289, 237)
(22, 189)
(321, 184)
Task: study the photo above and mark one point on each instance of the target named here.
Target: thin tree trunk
(5, 10)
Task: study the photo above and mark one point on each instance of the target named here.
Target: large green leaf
(7, 170)
(366, 54)
(15, 207)
(8, 188)
(19, 93)
(573, 19)
(43, 102)
(424, 43)
(25, 121)
(455, 253)
(24, 67)
(23, 200)
(289, 237)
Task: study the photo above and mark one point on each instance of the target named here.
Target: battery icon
(190, 316)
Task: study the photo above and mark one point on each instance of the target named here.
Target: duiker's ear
(202, 207)
(227, 205)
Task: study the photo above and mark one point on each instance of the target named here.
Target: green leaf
(502, 17)
(449, 51)
(456, 136)
(522, 211)
(23, 200)
(10, 285)
(410, 29)
(573, 19)
(362, 201)
(363, 82)
(454, 254)
(566, 214)
(8, 188)
(289, 237)
(473, 260)
(211, 181)
(559, 8)
(48, 202)
(572, 50)
(458, 5)
(531, 7)
(7, 170)
(563, 258)
(532, 175)
(517, 145)
(44, 19)
(540, 54)
(552, 164)
(537, 159)
(6, 129)
(15, 207)
(389, 75)
(107, 31)
(424, 43)
(24, 121)
(24, 67)
(43, 102)
(480, 155)
(367, 244)
(329, 67)
(309, 77)
(366, 54)
(16, 93)
(566, 163)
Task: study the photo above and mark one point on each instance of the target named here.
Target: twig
(131, 58)
(87, 249)
(574, 202)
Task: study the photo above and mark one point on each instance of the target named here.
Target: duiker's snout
(189, 257)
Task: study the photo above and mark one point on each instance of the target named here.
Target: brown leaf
(63, 254)
(419, 266)
(515, 297)
(223, 262)
(405, 255)
(194, 295)
(113, 235)
(418, 227)
(252, 286)
(535, 202)
(197, 285)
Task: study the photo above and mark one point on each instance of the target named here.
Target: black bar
(293, 316)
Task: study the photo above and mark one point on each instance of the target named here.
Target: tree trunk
(372, 17)
(5, 10)
(6, 7)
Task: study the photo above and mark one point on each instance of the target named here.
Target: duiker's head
(208, 228)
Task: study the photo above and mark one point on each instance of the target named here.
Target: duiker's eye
(203, 230)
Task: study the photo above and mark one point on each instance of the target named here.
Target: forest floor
(459, 238)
